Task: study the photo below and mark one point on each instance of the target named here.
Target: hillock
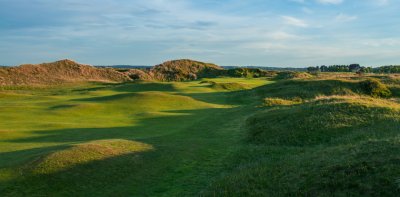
(63, 71)
(183, 70)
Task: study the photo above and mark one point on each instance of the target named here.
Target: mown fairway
(319, 136)
(165, 139)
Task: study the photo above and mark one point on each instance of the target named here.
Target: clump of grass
(269, 102)
(375, 88)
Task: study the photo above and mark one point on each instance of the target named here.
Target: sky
(283, 33)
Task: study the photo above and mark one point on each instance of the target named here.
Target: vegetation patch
(269, 102)
(375, 88)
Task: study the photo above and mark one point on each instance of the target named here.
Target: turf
(242, 137)
(56, 141)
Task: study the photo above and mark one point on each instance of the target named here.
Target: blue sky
(227, 32)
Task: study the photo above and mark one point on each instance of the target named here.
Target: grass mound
(308, 89)
(229, 86)
(184, 70)
(317, 122)
(375, 88)
(85, 153)
(331, 146)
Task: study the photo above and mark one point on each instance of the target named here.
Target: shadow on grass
(129, 87)
(189, 145)
(186, 146)
(143, 87)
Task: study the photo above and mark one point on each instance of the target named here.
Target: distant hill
(68, 71)
(184, 69)
(268, 68)
(58, 72)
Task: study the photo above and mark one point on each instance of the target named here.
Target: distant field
(321, 136)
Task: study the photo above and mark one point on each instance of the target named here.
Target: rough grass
(327, 145)
(319, 122)
(375, 88)
(280, 102)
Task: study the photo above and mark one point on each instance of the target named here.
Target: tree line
(355, 68)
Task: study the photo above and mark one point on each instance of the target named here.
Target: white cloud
(281, 35)
(294, 21)
(384, 42)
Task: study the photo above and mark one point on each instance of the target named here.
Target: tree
(354, 67)
(324, 68)
(313, 69)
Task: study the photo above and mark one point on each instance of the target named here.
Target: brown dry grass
(59, 72)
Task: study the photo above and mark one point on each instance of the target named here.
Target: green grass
(246, 137)
(325, 143)
(44, 127)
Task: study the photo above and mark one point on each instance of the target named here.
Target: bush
(375, 88)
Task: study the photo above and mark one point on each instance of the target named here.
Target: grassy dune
(317, 138)
(213, 137)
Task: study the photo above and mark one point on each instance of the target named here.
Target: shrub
(375, 88)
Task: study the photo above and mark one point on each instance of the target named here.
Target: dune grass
(303, 137)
